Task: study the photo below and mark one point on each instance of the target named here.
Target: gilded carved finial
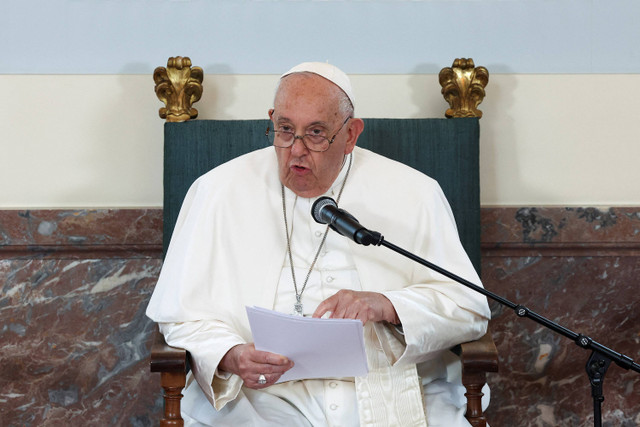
(463, 88)
(179, 86)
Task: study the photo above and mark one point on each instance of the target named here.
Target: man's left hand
(361, 305)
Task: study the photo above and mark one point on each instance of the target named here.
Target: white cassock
(229, 251)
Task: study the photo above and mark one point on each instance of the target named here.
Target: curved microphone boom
(325, 211)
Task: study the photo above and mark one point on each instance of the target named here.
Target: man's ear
(356, 126)
(271, 110)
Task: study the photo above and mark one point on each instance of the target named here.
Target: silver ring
(262, 379)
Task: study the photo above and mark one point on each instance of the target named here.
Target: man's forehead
(284, 118)
(326, 71)
(308, 91)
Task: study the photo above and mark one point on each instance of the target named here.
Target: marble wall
(579, 268)
(74, 337)
(74, 342)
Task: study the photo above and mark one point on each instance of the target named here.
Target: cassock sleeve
(207, 341)
(436, 312)
(185, 302)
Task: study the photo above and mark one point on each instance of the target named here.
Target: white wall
(96, 140)
(78, 117)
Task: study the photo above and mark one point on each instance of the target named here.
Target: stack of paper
(319, 348)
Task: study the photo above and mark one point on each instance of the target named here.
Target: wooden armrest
(477, 357)
(173, 364)
(165, 358)
(480, 355)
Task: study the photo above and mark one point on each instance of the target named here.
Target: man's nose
(298, 148)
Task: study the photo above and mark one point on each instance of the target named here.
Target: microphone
(325, 211)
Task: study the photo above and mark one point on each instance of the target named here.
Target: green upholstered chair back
(445, 149)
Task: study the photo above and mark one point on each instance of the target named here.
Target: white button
(318, 233)
(333, 384)
(330, 279)
(333, 407)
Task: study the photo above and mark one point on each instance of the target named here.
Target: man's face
(303, 104)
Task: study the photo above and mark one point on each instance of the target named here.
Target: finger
(343, 307)
(253, 363)
(324, 307)
(357, 308)
(263, 380)
(354, 311)
(252, 381)
(269, 379)
(270, 363)
(337, 304)
(363, 315)
(268, 358)
(271, 369)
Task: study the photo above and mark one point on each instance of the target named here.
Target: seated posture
(245, 237)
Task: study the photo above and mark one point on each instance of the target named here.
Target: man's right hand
(248, 363)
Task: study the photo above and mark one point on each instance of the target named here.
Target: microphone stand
(601, 356)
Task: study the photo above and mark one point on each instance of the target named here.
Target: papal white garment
(228, 251)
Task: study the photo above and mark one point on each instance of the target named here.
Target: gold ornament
(463, 88)
(179, 86)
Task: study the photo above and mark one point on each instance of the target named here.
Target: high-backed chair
(445, 149)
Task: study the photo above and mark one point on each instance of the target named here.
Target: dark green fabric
(445, 149)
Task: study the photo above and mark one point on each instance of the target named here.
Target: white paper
(319, 348)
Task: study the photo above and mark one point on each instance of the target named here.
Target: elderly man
(245, 237)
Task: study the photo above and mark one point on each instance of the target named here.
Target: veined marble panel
(581, 269)
(75, 285)
(75, 341)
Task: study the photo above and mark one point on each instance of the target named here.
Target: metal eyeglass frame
(302, 137)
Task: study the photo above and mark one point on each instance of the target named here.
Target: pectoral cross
(297, 307)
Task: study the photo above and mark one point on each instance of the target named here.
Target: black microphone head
(320, 204)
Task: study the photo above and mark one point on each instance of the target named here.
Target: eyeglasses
(315, 141)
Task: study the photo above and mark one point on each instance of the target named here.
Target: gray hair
(345, 107)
